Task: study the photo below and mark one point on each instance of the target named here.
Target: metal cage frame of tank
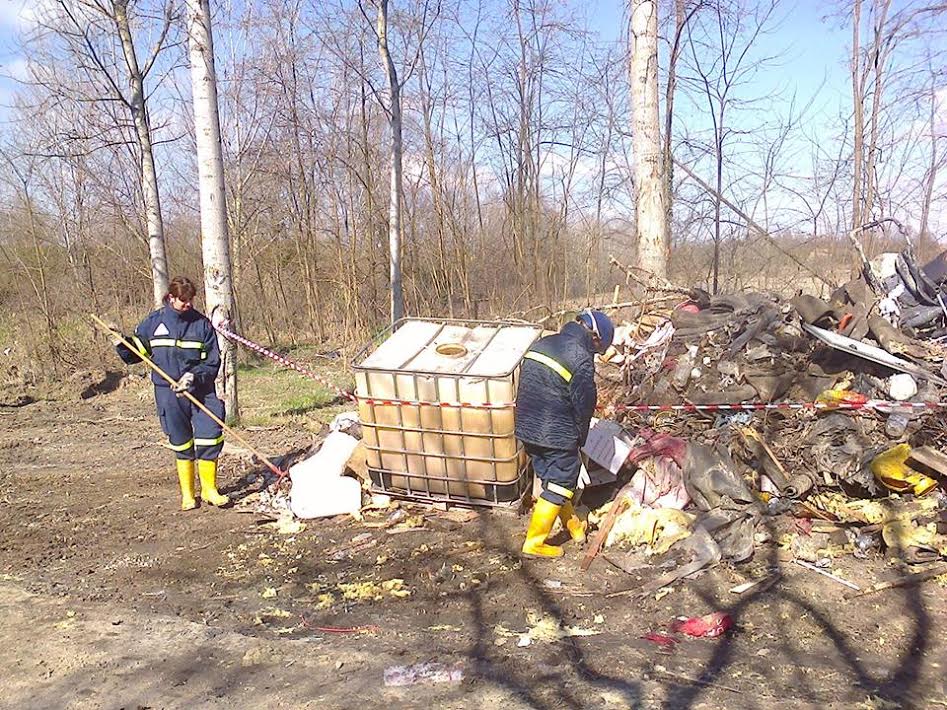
(502, 493)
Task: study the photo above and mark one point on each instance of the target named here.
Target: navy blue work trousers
(558, 469)
(191, 433)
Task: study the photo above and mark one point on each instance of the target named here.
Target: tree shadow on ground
(896, 684)
(558, 689)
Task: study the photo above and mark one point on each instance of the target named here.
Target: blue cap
(600, 324)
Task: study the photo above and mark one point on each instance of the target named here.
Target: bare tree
(886, 74)
(215, 243)
(382, 29)
(90, 33)
(396, 193)
(682, 15)
(139, 110)
(935, 166)
(721, 63)
(22, 178)
(650, 209)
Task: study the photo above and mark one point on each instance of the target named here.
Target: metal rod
(395, 427)
(850, 585)
(460, 457)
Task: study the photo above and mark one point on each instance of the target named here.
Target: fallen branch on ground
(903, 581)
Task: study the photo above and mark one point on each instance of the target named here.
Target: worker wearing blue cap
(555, 400)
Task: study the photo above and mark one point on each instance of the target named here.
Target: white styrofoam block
(329, 461)
(323, 497)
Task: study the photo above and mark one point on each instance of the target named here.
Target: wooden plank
(598, 542)
(930, 459)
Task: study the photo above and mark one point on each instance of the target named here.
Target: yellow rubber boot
(186, 479)
(573, 523)
(540, 525)
(207, 470)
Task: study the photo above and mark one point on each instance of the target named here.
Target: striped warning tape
(879, 404)
(285, 362)
(871, 404)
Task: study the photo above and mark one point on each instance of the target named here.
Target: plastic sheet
(891, 469)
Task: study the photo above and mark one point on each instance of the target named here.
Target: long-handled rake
(280, 474)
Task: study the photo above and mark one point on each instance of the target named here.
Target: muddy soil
(112, 597)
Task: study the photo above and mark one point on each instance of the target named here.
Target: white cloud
(16, 68)
(18, 14)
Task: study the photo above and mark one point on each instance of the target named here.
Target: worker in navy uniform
(555, 399)
(182, 342)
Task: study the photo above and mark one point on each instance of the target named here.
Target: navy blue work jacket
(177, 343)
(556, 394)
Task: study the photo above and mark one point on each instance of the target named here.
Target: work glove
(115, 336)
(185, 383)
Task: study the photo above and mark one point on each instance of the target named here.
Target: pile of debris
(736, 420)
(846, 429)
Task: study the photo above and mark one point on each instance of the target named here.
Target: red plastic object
(658, 444)
(803, 525)
(707, 626)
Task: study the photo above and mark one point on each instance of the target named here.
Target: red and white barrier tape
(285, 362)
(879, 404)
(876, 404)
(882, 405)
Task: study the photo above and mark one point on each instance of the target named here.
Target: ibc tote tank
(436, 405)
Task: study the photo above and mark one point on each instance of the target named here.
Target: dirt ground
(111, 597)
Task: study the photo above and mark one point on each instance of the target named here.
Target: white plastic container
(426, 430)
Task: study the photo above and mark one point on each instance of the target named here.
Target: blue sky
(12, 14)
(815, 50)
(813, 55)
(812, 61)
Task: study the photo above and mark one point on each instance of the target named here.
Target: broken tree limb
(598, 542)
(757, 585)
(771, 465)
(706, 554)
(750, 222)
(905, 581)
(870, 277)
(697, 681)
(667, 286)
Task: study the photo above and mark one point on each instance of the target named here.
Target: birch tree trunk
(650, 212)
(680, 18)
(395, 198)
(149, 175)
(858, 117)
(924, 237)
(878, 59)
(215, 244)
